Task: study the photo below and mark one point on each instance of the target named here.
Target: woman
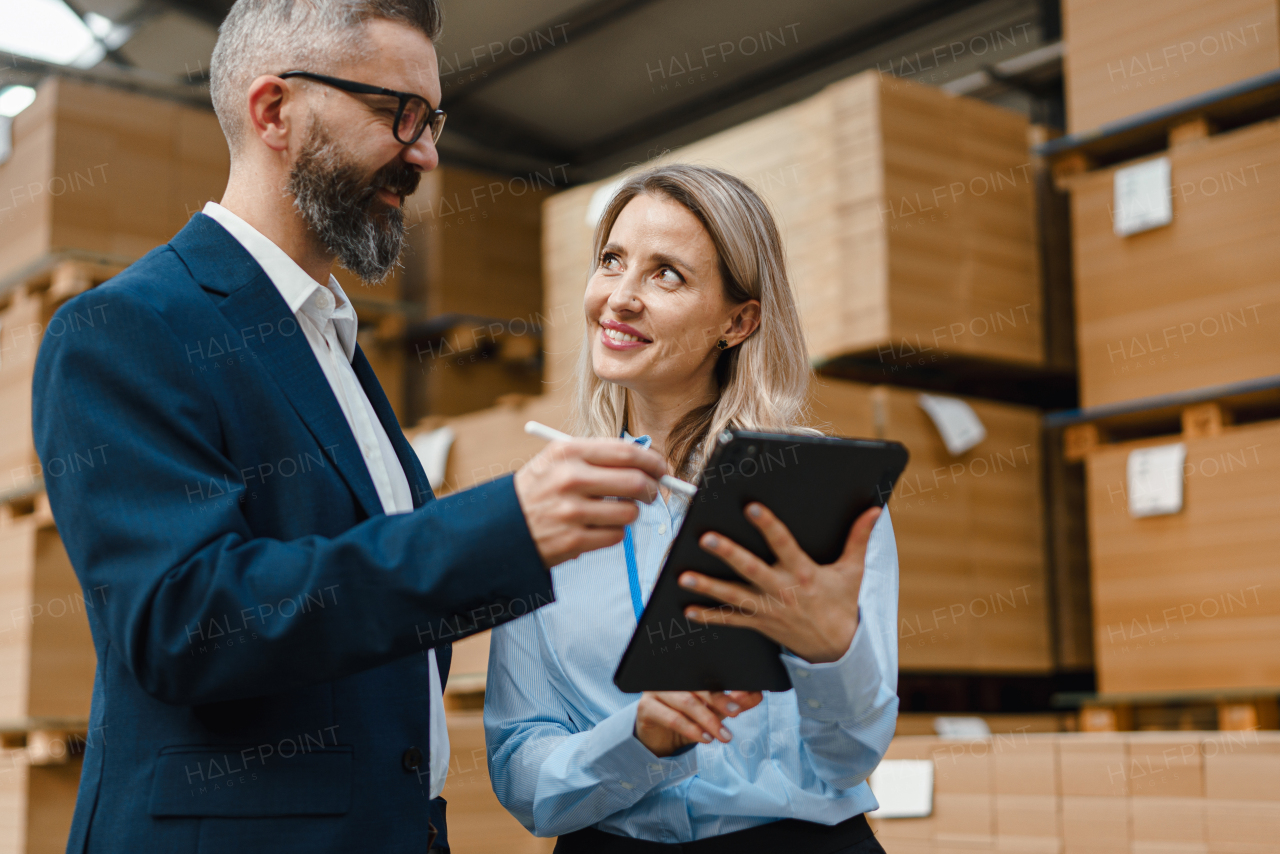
(692, 328)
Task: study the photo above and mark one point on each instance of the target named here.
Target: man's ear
(269, 118)
(744, 321)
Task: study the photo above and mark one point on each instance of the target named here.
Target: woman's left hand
(812, 610)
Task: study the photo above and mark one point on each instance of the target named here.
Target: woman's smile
(620, 336)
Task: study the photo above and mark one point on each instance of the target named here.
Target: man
(278, 586)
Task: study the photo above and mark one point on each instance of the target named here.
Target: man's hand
(668, 720)
(567, 492)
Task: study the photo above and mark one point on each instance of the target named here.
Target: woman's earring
(722, 344)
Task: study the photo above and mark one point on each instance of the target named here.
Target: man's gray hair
(273, 36)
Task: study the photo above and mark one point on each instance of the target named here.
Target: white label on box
(1143, 197)
(1155, 480)
(904, 788)
(961, 727)
(600, 200)
(433, 452)
(957, 423)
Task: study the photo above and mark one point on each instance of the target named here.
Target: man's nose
(422, 154)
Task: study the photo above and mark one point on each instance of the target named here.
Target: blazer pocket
(230, 782)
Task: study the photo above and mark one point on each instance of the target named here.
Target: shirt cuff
(621, 760)
(839, 690)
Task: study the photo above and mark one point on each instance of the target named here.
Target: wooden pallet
(1228, 107)
(1227, 711)
(1206, 412)
(46, 741)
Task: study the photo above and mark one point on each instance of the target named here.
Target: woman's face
(656, 305)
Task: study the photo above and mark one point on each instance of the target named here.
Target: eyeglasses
(413, 115)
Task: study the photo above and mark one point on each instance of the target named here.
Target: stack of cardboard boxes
(97, 178)
(1121, 793)
(1177, 339)
(908, 218)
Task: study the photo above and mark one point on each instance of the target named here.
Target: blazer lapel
(270, 331)
(408, 457)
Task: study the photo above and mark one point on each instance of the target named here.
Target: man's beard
(339, 202)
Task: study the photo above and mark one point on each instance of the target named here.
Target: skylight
(48, 30)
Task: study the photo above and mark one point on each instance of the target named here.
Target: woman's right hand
(668, 720)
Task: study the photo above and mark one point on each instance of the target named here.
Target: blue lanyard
(633, 574)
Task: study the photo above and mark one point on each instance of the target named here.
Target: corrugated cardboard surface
(36, 803)
(45, 647)
(969, 529)
(102, 170)
(1183, 602)
(1066, 793)
(1192, 304)
(907, 215)
(1125, 58)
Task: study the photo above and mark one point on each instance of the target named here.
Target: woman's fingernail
(754, 510)
(706, 737)
(688, 581)
(733, 707)
(691, 614)
(711, 541)
(725, 734)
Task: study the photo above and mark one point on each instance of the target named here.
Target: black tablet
(817, 486)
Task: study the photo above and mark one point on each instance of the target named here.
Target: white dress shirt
(327, 318)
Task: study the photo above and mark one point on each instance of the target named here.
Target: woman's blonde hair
(764, 381)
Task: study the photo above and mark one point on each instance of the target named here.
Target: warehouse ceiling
(577, 89)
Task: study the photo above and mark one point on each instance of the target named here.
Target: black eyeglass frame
(367, 89)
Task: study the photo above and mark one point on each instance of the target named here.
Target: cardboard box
(1156, 821)
(1093, 766)
(1241, 827)
(1162, 765)
(105, 171)
(1027, 820)
(963, 820)
(969, 529)
(491, 443)
(36, 804)
(907, 216)
(1191, 304)
(46, 651)
(1127, 58)
(1242, 766)
(1179, 600)
(474, 250)
(21, 328)
(1095, 825)
(1025, 765)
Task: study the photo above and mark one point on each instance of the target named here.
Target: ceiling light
(15, 99)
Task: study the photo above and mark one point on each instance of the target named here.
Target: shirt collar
(295, 286)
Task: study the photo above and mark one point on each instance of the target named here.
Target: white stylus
(551, 434)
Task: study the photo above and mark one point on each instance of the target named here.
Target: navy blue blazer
(260, 624)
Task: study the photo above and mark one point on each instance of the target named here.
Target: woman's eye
(609, 261)
(670, 276)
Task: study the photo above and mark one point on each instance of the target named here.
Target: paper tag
(600, 200)
(1155, 480)
(433, 452)
(961, 727)
(1143, 197)
(956, 421)
(904, 788)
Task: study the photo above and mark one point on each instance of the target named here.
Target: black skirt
(852, 836)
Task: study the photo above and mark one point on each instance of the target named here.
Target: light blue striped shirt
(562, 750)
